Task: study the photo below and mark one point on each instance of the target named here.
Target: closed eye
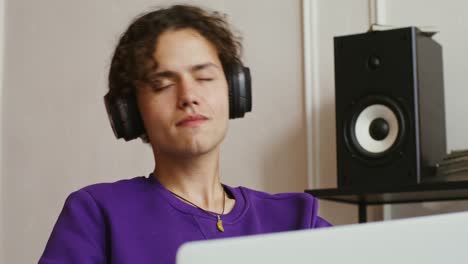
(161, 84)
(161, 87)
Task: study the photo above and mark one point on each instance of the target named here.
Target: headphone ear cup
(124, 116)
(240, 91)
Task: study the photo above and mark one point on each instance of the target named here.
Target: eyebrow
(202, 66)
(194, 68)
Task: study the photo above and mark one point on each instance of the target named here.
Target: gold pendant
(219, 224)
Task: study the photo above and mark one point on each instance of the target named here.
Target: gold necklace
(219, 222)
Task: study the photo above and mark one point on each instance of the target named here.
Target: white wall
(55, 130)
(2, 193)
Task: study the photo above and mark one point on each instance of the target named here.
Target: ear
(240, 90)
(124, 116)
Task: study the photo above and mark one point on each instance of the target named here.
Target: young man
(178, 68)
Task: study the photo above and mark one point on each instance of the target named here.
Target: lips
(192, 120)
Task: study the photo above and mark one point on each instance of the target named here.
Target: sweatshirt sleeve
(79, 233)
(317, 221)
(320, 222)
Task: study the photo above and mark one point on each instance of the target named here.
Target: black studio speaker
(390, 116)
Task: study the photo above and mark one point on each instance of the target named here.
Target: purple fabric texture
(139, 221)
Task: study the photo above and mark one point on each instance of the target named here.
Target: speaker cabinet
(390, 116)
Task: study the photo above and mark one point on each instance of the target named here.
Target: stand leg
(362, 213)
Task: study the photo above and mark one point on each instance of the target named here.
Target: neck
(194, 178)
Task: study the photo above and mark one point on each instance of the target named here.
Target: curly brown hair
(133, 56)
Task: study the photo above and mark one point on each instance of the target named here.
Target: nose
(187, 93)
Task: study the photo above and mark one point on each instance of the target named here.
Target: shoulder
(291, 210)
(84, 219)
(111, 192)
(297, 196)
(122, 186)
(291, 199)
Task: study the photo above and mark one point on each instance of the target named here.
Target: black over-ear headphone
(126, 121)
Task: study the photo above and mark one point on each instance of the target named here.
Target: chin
(186, 148)
(199, 148)
(190, 145)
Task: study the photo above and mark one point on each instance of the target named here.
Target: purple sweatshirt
(139, 221)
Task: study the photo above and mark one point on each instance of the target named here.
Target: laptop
(429, 240)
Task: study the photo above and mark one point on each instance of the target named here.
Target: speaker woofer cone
(376, 128)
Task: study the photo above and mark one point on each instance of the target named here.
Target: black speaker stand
(431, 191)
